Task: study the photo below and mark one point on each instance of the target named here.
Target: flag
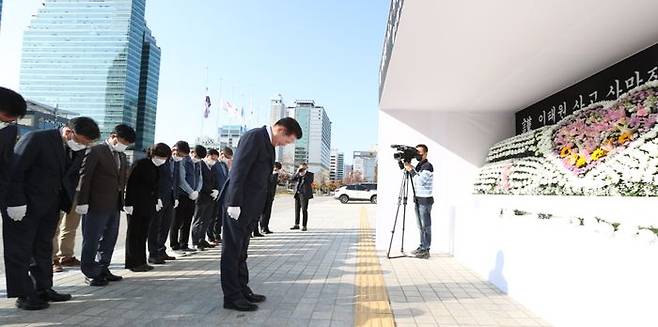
(207, 104)
(231, 109)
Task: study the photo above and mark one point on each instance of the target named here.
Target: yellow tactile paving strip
(372, 307)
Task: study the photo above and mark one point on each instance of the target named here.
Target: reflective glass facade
(148, 92)
(86, 57)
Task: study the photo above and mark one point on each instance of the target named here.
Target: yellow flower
(573, 158)
(598, 154)
(565, 152)
(625, 137)
(581, 161)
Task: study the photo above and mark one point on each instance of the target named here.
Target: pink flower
(642, 111)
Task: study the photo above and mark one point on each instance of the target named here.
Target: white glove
(128, 210)
(194, 196)
(175, 204)
(82, 209)
(214, 194)
(233, 212)
(158, 206)
(17, 213)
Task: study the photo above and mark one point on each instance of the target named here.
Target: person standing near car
(423, 177)
(303, 193)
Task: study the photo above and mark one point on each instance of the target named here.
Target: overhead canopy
(505, 55)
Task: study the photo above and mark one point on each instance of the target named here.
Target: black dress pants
(233, 265)
(214, 232)
(138, 229)
(267, 213)
(28, 250)
(301, 203)
(179, 235)
(159, 229)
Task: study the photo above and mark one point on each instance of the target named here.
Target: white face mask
(158, 161)
(120, 147)
(211, 162)
(75, 146)
(4, 124)
(195, 160)
(177, 158)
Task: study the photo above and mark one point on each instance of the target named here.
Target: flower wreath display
(606, 148)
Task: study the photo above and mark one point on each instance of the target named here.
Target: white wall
(570, 276)
(457, 142)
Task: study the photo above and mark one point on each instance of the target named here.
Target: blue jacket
(221, 174)
(189, 176)
(168, 182)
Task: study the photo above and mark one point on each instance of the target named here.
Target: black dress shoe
(294, 227)
(157, 261)
(255, 298)
(142, 268)
(111, 277)
(267, 231)
(258, 234)
(31, 303)
(98, 281)
(240, 305)
(206, 244)
(304, 229)
(51, 295)
(187, 249)
(168, 257)
(175, 247)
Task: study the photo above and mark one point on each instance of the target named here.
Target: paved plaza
(328, 276)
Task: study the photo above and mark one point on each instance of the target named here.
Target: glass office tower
(88, 57)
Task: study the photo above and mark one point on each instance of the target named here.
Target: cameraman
(423, 176)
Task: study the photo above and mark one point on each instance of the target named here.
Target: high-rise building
(147, 104)
(278, 111)
(0, 13)
(96, 58)
(229, 135)
(337, 169)
(365, 165)
(314, 147)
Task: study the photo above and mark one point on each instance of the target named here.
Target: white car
(357, 192)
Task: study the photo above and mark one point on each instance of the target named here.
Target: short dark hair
(303, 164)
(85, 126)
(12, 103)
(159, 150)
(182, 147)
(213, 152)
(291, 126)
(277, 165)
(422, 146)
(125, 132)
(200, 151)
(227, 151)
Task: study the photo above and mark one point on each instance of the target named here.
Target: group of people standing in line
(51, 180)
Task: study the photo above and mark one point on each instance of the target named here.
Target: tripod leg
(407, 181)
(397, 212)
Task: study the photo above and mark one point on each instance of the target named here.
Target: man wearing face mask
(205, 204)
(41, 184)
(12, 107)
(161, 222)
(303, 193)
(189, 185)
(246, 194)
(221, 172)
(142, 203)
(100, 199)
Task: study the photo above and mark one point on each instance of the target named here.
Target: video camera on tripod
(405, 154)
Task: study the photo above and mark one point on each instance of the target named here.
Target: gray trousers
(204, 213)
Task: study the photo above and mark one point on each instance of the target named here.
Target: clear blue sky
(324, 50)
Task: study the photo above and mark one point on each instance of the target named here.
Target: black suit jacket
(142, 190)
(249, 176)
(7, 142)
(304, 184)
(102, 185)
(209, 182)
(168, 182)
(43, 172)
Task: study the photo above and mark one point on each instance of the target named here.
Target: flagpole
(219, 110)
(203, 118)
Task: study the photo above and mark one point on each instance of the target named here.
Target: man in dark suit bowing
(246, 194)
(12, 107)
(303, 193)
(43, 175)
